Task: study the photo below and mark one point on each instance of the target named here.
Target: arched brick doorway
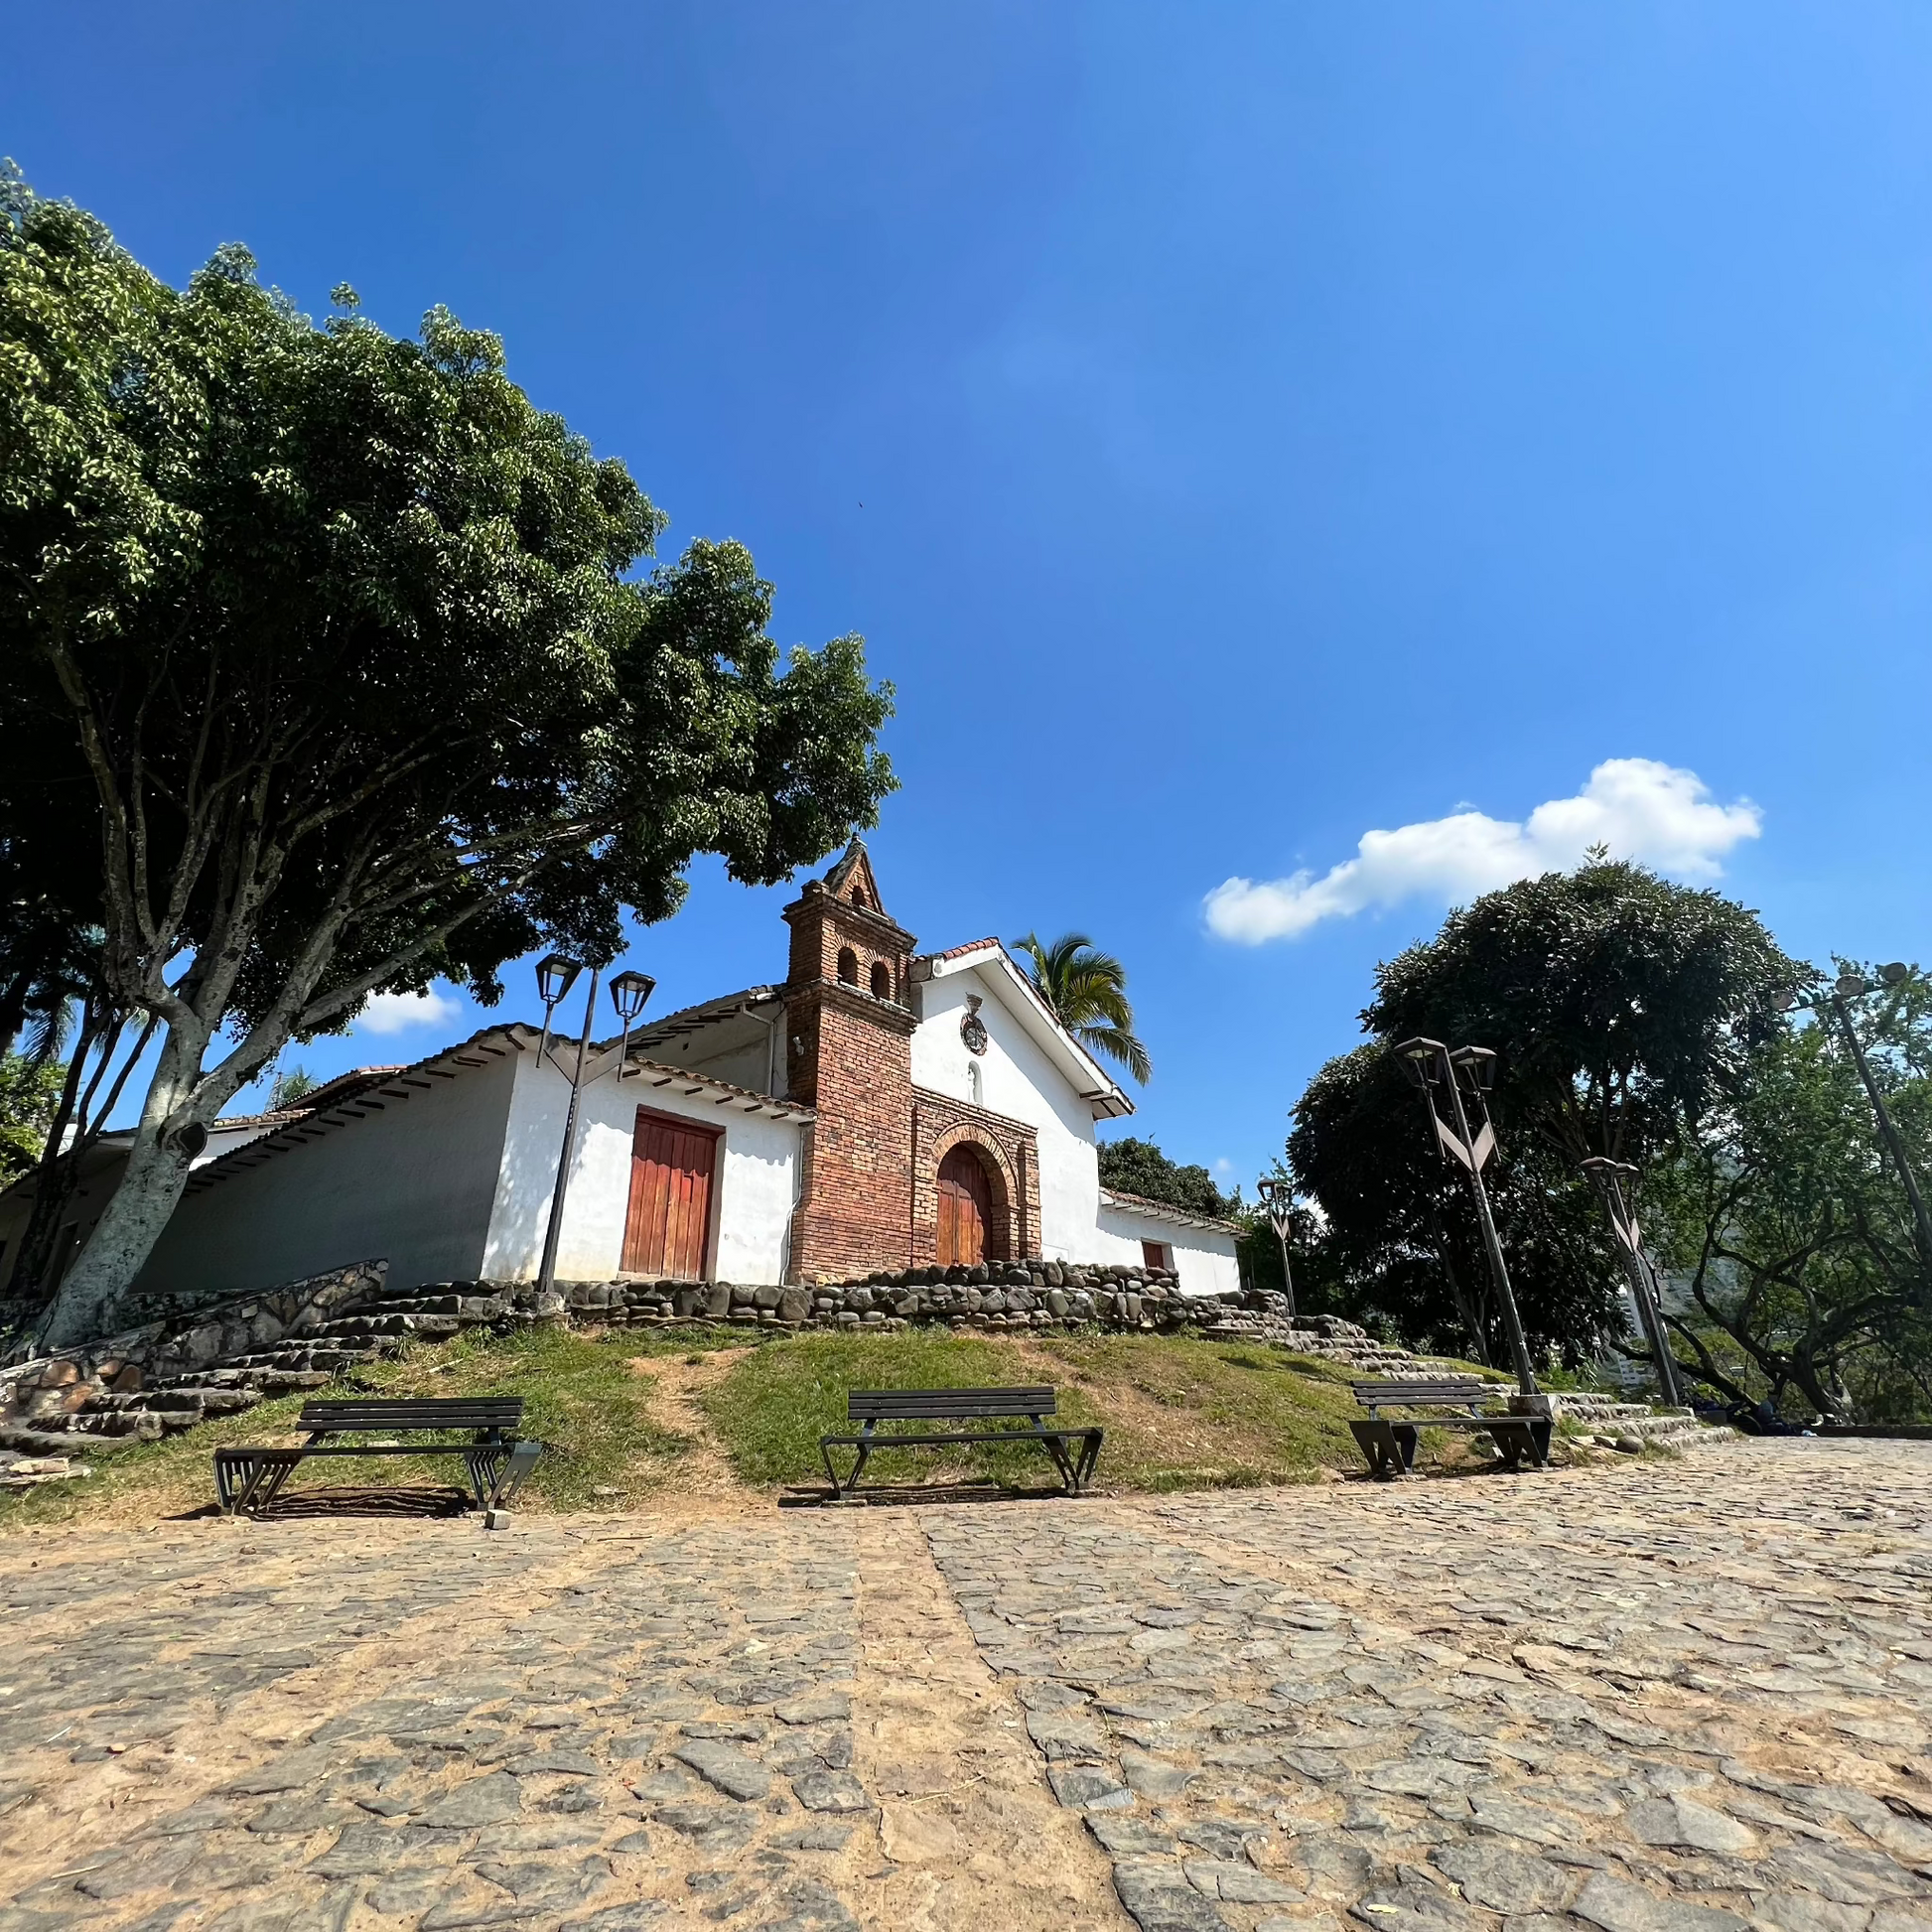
(967, 1212)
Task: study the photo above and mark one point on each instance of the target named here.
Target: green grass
(581, 1400)
(1178, 1415)
(776, 1402)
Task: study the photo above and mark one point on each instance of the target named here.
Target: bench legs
(1389, 1447)
(1523, 1436)
(851, 1482)
(1075, 1470)
(248, 1479)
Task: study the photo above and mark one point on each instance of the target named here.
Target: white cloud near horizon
(397, 1013)
(1641, 809)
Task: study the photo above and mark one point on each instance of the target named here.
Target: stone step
(353, 1327)
(285, 1360)
(35, 1441)
(132, 1425)
(288, 1381)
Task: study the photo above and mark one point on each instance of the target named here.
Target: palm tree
(1086, 992)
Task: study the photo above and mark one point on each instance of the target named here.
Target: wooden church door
(668, 1224)
(965, 1208)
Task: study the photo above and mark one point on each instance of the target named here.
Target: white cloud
(1643, 810)
(396, 1013)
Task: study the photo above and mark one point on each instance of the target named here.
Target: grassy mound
(590, 1409)
(1179, 1414)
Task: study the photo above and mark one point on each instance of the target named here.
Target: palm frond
(1115, 1043)
(1085, 989)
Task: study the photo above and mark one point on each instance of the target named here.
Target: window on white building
(975, 1084)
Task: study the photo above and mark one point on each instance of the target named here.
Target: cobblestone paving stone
(1684, 1697)
(604, 1730)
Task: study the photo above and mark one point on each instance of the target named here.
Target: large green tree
(1397, 1242)
(346, 635)
(1622, 1009)
(1788, 1233)
(1139, 1167)
(1621, 1005)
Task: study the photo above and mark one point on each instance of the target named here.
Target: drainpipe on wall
(791, 1214)
(774, 1027)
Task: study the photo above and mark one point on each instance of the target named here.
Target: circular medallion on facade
(972, 1028)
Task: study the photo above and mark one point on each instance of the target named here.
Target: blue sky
(1236, 430)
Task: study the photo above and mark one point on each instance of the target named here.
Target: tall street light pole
(1615, 1182)
(1277, 1200)
(1432, 1067)
(1850, 986)
(556, 974)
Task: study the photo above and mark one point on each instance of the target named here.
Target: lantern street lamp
(1469, 1071)
(1615, 1182)
(556, 975)
(1278, 1203)
(1853, 986)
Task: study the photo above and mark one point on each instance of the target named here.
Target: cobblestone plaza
(1683, 1696)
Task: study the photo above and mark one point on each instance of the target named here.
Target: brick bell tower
(849, 1057)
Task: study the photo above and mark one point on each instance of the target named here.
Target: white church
(880, 1109)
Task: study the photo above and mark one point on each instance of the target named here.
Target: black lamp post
(1615, 1182)
(556, 975)
(1469, 1071)
(1278, 1203)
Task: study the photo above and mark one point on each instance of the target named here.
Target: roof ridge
(1130, 1199)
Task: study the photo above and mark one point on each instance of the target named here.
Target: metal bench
(1390, 1447)
(248, 1479)
(871, 1406)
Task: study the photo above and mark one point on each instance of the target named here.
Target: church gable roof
(1015, 991)
(852, 880)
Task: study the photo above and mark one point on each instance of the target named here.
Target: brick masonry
(870, 1164)
(1008, 1150)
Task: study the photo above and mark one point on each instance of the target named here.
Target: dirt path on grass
(703, 1484)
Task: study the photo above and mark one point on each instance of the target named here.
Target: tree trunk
(138, 1209)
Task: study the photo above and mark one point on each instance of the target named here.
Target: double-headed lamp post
(1615, 1182)
(1278, 1203)
(556, 975)
(1470, 1070)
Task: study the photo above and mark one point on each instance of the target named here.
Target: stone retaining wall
(993, 1296)
(159, 1350)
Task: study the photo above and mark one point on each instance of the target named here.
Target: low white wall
(1017, 1080)
(1204, 1257)
(412, 1185)
(756, 1178)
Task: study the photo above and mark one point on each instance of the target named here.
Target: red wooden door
(670, 1220)
(965, 1208)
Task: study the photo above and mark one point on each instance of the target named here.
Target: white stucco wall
(757, 1181)
(1018, 1081)
(412, 1185)
(1204, 1257)
(101, 1175)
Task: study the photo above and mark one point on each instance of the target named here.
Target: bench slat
(1460, 1382)
(435, 1413)
(912, 1404)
